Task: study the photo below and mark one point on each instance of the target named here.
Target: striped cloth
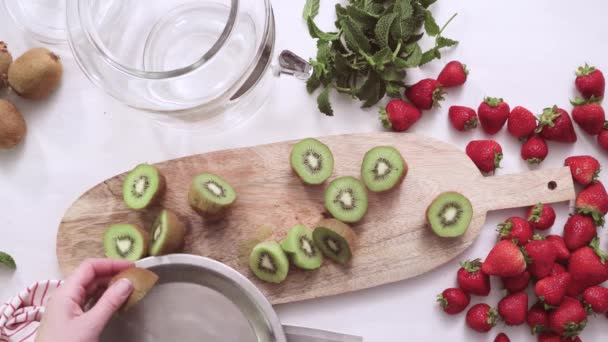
(21, 315)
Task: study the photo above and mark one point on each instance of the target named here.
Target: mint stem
(447, 23)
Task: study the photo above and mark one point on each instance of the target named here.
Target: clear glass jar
(191, 62)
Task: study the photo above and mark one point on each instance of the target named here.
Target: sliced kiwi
(143, 186)
(346, 199)
(126, 241)
(268, 262)
(143, 281)
(312, 161)
(383, 168)
(449, 215)
(300, 246)
(210, 194)
(167, 234)
(335, 239)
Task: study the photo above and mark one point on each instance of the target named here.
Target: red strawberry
(543, 254)
(541, 216)
(579, 231)
(399, 115)
(563, 254)
(493, 113)
(593, 201)
(462, 118)
(522, 123)
(472, 280)
(585, 169)
(590, 81)
(517, 283)
(587, 267)
(555, 124)
(425, 94)
(538, 318)
(481, 317)
(551, 290)
(551, 337)
(453, 300)
(453, 74)
(515, 228)
(486, 154)
(514, 308)
(557, 269)
(502, 337)
(596, 298)
(602, 138)
(504, 260)
(589, 115)
(569, 319)
(534, 150)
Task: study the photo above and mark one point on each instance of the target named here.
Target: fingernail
(124, 286)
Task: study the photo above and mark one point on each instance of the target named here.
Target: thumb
(114, 297)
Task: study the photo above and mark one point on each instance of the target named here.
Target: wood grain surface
(394, 243)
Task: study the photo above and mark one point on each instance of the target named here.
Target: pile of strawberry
(493, 114)
(566, 271)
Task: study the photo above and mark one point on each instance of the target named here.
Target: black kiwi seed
(343, 205)
(212, 186)
(307, 246)
(389, 165)
(312, 168)
(134, 191)
(269, 257)
(332, 244)
(448, 206)
(121, 238)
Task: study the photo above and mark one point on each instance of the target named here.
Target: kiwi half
(346, 199)
(143, 186)
(383, 168)
(167, 234)
(210, 194)
(312, 161)
(125, 241)
(335, 239)
(300, 246)
(143, 281)
(268, 262)
(449, 215)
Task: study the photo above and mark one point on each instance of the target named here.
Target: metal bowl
(197, 299)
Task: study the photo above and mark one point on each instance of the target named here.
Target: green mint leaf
(312, 84)
(342, 64)
(311, 9)
(392, 74)
(382, 57)
(324, 104)
(414, 38)
(383, 28)
(372, 90)
(317, 33)
(376, 9)
(414, 57)
(340, 11)
(7, 260)
(394, 89)
(442, 42)
(430, 25)
(354, 36)
(428, 56)
(403, 25)
(404, 9)
(426, 3)
(366, 20)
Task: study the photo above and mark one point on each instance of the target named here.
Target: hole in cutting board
(552, 185)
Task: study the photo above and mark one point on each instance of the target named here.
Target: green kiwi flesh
(299, 245)
(449, 215)
(167, 234)
(125, 241)
(142, 186)
(312, 161)
(210, 194)
(268, 262)
(335, 239)
(383, 168)
(346, 199)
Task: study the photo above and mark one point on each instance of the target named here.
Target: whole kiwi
(12, 125)
(35, 74)
(5, 61)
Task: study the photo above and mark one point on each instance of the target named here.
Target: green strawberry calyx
(438, 96)
(527, 258)
(465, 69)
(442, 301)
(579, 101)
(383, 115)
(472, 123)
(504, 229)
(497, 159)
(596, 176)
(547, 118)
(536, 213)
(492, 317)
(595, 245)
(606, 124)
(597, 217)
(538, 237)
(572, 329)
(471, 266)
(533, 161)
(585, 70)
(539, 328)
(493, 101)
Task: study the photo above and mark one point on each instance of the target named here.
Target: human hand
(65, 319)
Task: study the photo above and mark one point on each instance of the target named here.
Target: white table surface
(523, 51)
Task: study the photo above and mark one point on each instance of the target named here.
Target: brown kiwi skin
(13, 128)
(174, 241)
(5, 61)
(143, 281)
(343, 230)
(162, 188)
(35, 74)
(205, 208)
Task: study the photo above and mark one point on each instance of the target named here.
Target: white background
(523, 51)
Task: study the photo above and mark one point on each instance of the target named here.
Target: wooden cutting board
(394, 242)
